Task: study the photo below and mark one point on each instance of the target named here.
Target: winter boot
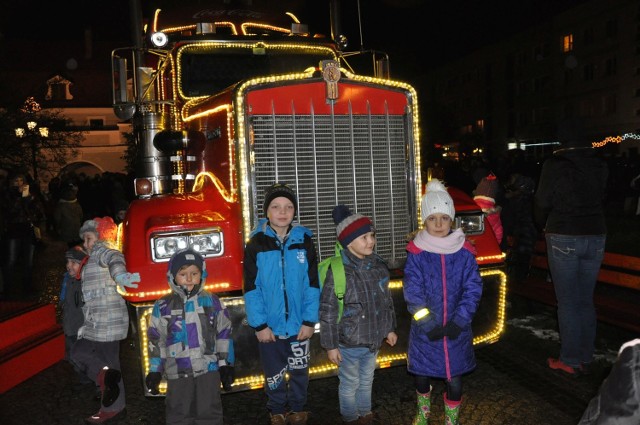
(297, 418)
(277, 419)
(108, 380)
(423, 408)
(451, 411)
(105, 417)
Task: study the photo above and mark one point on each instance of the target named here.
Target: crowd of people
(190, 338)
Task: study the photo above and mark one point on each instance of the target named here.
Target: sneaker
(105, 417)
(557, 364)
(277, 419)
(297, 418)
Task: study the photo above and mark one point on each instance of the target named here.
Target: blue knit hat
(350, 225)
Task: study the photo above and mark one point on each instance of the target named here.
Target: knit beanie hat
(75, 254)
(487, 188)
(183, 258)
(277, 190)
(349, 225)
(436, 200)
(104, 228)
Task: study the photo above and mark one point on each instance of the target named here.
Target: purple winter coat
(452, 295)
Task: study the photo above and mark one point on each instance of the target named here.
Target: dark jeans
(574, 262)
(19, 252)
(279, 358)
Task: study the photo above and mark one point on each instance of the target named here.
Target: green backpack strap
(339, 277)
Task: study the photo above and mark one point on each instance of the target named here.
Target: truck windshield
(205, 72)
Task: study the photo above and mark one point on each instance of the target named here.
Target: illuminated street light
(33, 132)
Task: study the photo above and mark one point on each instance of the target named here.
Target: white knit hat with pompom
(436, 200)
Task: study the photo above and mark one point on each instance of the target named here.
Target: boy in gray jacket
(353, 340)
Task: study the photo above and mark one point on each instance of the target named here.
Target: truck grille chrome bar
(360, 160)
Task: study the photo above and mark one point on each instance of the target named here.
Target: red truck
(224, 102)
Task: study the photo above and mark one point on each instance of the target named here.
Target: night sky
(417, 34)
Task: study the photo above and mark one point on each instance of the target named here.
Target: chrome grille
(357, 160)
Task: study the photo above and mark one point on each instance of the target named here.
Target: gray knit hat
(350, 225)
(436, 200)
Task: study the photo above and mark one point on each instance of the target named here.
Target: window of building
(588, 71)
(567, 43)
(480, 124)
(610, 67)
(96, 123)
(58, 88)
(541, 84)
(540, 51)
(568, 76)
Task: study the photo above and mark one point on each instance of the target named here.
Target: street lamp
(34, 133)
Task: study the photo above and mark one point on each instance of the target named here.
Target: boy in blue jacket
(282, 298)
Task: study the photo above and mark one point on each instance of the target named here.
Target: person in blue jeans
(568, 206)
(353, 340)
(282, 297)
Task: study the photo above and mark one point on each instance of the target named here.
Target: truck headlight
(472, 224)
(208, 242)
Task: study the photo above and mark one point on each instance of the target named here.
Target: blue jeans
(356, 380)
(574, 262)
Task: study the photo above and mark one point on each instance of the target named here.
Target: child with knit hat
(106, 318)
(368, 318)
(282, 296)
(197, 364)
(485, 197)
(442, 288)
(71, 296)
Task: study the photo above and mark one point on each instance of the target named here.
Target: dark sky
(415, 33)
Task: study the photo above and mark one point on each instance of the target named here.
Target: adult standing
(68, 215)
(569, 207)
(22, 213)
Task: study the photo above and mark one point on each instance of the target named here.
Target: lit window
(480, 124)
(567, 43)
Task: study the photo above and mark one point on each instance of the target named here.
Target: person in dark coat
(618, 401)
(442, 288)
(569, 206)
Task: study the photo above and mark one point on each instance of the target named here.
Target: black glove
(227, 376)
(451, 330)
(153, 382)
(436, 333)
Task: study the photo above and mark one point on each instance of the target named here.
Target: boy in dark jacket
(71, 296)
(353, 341)
(282, 297)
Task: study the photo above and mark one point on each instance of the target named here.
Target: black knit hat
(277, 190)
(75, 254)
(184, 258)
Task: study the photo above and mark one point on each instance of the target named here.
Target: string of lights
(615, 139)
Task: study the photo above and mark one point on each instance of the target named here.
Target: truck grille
(358, 160)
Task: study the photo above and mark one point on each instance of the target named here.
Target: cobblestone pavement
(511, 385)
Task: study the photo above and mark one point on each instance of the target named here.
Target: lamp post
(33, 131)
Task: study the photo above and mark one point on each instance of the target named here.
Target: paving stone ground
(511, 385)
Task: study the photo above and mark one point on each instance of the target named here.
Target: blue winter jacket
(281, 280)
(450, 287)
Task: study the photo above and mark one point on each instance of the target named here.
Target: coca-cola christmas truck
(226, 101)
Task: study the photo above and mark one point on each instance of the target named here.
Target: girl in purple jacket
(442, 289)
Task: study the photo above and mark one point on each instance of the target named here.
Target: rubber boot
(451, 411)
(423, 410)
(108, 380)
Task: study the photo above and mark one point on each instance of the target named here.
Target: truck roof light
(159, 39)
